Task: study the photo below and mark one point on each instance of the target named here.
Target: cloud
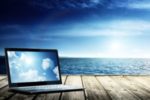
(130, 4)
(59, 4)
(108, 28)
(20, 62)
(17, 31)
(79, 4)
(12, 54)
(23, 57)
(22, 69)
(19, 70)
(56, 71)
(30, 76)
(46, 63)
(13, 60)
(95, 1)
(115, 27)
(140, 5)
(28, 60)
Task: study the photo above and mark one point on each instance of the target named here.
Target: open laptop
(35, 71)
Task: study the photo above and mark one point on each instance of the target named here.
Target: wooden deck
(97, 88)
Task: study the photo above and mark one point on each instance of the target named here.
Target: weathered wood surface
(96, 88)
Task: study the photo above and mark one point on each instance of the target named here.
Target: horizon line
(90, 56)
(99, 57)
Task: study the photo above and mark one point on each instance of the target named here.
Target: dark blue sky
(78, 28)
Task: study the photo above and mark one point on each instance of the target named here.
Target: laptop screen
(32, 66)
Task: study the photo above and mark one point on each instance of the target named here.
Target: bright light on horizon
(112, 49)
(106, 55)
(115, 46)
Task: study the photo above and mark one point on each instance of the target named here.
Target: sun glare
(115, 46)
(29, 60)
(26, 59)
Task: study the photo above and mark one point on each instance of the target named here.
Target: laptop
(35, 71)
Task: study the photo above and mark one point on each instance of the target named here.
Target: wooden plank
(12, 96)
(97, 88)
(19, 96)
(141, 82)
(143, 79)
(94, 89)
(78, 95)
(51, 96)
(116, 91)
(5, 94)
(2, 77)
(132, 87)
(147, 78)
(3, 83)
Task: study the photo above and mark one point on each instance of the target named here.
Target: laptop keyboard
(47, 87)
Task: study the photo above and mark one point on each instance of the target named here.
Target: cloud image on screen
(32, 66)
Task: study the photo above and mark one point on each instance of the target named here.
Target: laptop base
(67, 88)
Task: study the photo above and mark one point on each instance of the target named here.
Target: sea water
(105, 66)
(99, 66)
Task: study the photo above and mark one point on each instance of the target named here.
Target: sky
(78, 28)
(32, 66)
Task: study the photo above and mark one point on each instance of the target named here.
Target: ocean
(106, 66)
(100, 66)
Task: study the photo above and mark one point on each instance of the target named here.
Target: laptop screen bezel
(31, 83)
